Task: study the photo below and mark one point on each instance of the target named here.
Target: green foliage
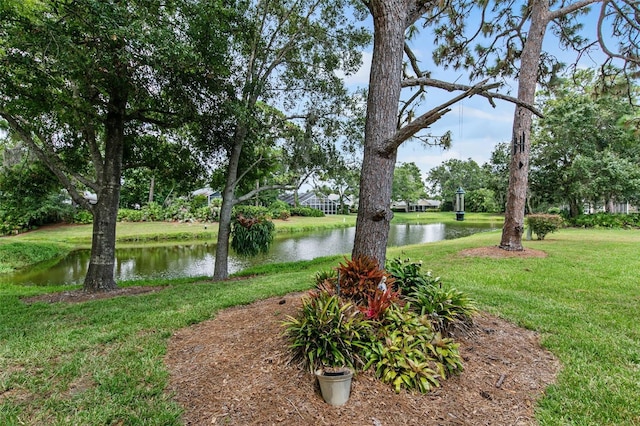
(18, 255)
(408, 274)
(481, 200)
(327, 333)
(306, 212)
(207, 214)
(251, 211)
(448, 309)
(543, 224)
(607, 220)
(30, 196)
(279, 209)
(407, 183)
(409, 354)
(130, 215)
(359, 278)
(329, 276)
(251, 235)
(84, 217)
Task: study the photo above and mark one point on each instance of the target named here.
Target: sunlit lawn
(101, 362)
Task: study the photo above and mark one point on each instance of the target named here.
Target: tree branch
(49, 158)
(450, 87)
(252, 193)
(430, 117)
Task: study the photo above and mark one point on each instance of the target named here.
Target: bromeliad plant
(359, 278)
(409, 354)
(448, 308)
(358, 318)
(327, 333)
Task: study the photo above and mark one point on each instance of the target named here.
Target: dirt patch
(498, 253)
(234, 370)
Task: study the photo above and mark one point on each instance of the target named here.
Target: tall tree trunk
(100, 274)
(152, 185)
(221, 269)
(521, 142)
(374, 212)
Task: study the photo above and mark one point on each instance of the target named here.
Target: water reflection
(197, 259)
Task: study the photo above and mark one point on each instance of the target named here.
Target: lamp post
(460, 204)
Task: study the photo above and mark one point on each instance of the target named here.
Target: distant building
(421, 205)
(313, 200)
(207, 192)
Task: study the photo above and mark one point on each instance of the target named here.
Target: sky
(476, 126)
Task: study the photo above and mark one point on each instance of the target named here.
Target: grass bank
(101, 362)
(52, 242)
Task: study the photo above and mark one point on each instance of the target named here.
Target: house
(313, 200)
(207, 192)
(421, 205)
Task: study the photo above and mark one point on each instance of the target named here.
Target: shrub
(207, 214)
(251, 211)
(130, 215)
(448, 309)
(152, 212)
(408, 275)
(85, 217)
(359, 279)
(543, 224)
(409, 354)
(279, 209)
(607, 220)
(327, 333)
(306, 211)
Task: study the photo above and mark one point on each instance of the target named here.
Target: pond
(190, 259)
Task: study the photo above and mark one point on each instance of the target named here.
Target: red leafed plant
(379, 303)
(359, 278)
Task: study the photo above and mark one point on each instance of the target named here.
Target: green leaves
(327, 333)
(251, 235)
(409, 355)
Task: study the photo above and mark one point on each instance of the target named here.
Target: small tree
(407, 184)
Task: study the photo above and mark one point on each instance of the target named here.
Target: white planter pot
(335, 386)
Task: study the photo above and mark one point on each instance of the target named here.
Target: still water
(197, 258)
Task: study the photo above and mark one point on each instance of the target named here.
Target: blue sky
(475, 125)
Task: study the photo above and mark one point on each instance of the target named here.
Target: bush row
(606, 220)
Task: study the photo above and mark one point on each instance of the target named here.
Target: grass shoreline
(101, 362)
(56, 241)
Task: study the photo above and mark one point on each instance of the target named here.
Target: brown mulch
(234, 370)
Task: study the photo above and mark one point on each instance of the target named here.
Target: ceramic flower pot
(335, 385)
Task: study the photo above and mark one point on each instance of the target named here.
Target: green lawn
(101, 362)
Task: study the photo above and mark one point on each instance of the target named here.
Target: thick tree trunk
(521, 143)
(374, 212)
(221, 269)
(100, 274)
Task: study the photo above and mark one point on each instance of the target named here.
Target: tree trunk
(100, 274)
(152, 185)
(221, 269)
(374, 212)
(521, 142)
